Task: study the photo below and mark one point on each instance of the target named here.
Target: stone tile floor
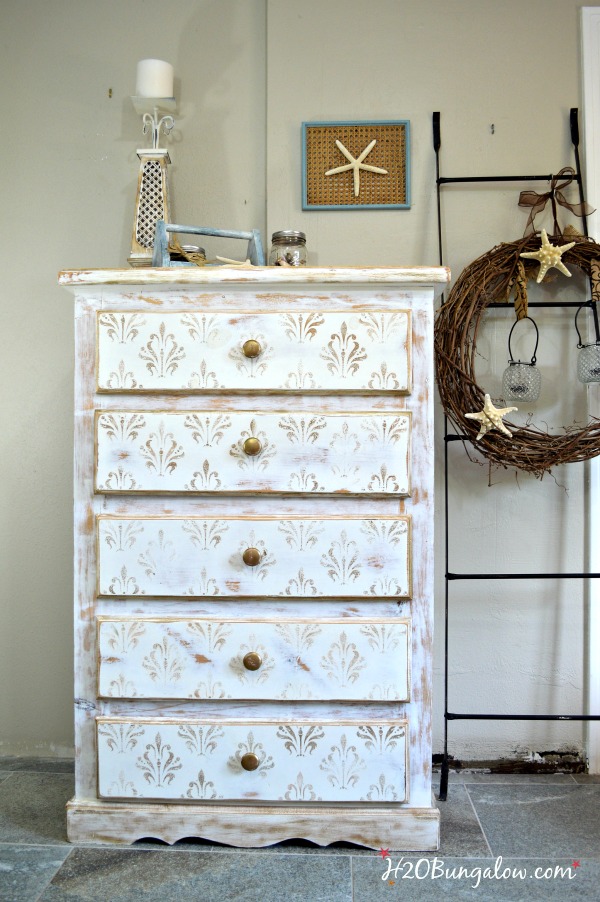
(507, 837)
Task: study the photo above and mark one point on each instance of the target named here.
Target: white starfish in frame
(491, 417)
(356, 164)
(549, 256)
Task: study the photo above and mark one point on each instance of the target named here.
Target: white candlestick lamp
(154, 102)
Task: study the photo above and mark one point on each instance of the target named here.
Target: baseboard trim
(386, 826)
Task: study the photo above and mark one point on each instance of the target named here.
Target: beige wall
(68, 188)
(248, 74)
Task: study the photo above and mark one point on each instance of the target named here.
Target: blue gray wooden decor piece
(254, 252)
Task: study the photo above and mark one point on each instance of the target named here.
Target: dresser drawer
(181, 658)
(339, 557)
(294, 351)
(304, 761)
(214, 452)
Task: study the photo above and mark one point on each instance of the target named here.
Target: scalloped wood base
(376, 827)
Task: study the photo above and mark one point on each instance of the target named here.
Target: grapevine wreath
(491, 278)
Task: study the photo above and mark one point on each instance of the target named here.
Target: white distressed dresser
(253, 561)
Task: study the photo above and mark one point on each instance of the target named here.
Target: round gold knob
(252, 660)
(252, 446)
(249, 761)
(251, 348)
(251, 557)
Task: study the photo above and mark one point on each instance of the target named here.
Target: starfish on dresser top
(356, 164)
(490, 417)
(229, 263)
(549, 257)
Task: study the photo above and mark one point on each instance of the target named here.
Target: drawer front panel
(254, 557)
(179, 658)
(206, 452)
(293, 762)
(298, 351)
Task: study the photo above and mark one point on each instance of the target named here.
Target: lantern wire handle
(537, 339)
(580, 343)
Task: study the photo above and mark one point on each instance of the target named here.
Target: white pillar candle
(154, 79)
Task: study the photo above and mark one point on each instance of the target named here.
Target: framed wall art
(356, 165)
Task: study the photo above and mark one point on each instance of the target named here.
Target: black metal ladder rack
(454, 437)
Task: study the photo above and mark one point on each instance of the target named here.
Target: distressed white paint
(325, 559)
(376, 826)
(590, 31)
(206, 452)
(298, 659)
(193, 277)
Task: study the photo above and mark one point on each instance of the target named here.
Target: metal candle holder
(588, 359)
(152, 199)
(522, 381)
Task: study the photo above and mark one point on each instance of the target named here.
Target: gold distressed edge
(254, 392)
(224, 721)
(253, 721)
(184, 392)
(408, 414)
(244, 517)
(345, 621)
(226, 599)
(166, 618)
(225, 311)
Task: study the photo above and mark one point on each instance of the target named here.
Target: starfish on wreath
(356, 164)
(549, 257)
(490, 417)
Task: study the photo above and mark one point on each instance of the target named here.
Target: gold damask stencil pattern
(343, 764)
(203, 329)
(201, 788)
(206, 451)
(343, 662)
(307, 761)
(200, 556)
(159, 763)
(122, 379)
(121, 327)
(299, 791)
(301, 327)
(299, 351)
(200, 658)
(161, 353)
(161, 452)
(164, 664)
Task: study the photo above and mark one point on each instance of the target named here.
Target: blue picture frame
(319, 151)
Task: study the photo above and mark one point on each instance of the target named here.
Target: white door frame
(590, 42)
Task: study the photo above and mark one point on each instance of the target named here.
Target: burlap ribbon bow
(537, 202)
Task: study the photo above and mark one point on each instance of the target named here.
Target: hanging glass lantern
(588, 359)
(522, 381)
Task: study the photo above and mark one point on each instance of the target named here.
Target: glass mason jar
(288, 248)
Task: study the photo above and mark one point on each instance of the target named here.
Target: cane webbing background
(390, 153)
